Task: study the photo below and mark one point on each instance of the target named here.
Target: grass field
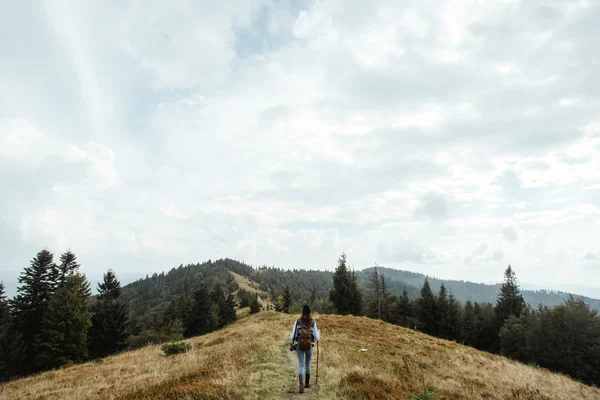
(250, 360)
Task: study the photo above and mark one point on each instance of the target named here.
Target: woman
(305, 333)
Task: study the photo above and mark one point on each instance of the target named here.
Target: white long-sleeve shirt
(315, 331)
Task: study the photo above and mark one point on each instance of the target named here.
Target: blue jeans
(302, 365)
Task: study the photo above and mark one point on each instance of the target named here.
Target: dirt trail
(310, 393)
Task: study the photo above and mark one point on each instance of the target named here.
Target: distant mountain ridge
(465, 290)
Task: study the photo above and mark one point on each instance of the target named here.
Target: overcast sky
(445, 137)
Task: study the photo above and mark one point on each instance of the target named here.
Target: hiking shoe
(307, 381)
(300, 384)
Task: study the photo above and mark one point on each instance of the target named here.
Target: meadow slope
(250, 360)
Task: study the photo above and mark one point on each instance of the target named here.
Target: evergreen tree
(4, 311)
(374, 295)
(342, 294)
(287, 299)
(254, 304)
(510, 301)
(220, 306)
(453, 318)
(64, 327)
(426, 307)
(109, 330)
(198, 320)
(356, 296)
(468, 324)
(11, 346)
(404, 311)
(230, 307)
(486, 334)
(67, 267)
(31, 303)
(442, 312)
(386, 300)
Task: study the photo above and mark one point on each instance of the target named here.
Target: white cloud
(509, 233)
(286, 132)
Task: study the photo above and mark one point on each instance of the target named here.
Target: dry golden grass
(250, 360)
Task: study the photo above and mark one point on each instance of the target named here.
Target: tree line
(564, 338)
(54, 320)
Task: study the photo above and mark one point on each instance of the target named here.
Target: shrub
(423, 393)
(175, 348)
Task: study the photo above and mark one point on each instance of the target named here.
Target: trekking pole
(317, 380)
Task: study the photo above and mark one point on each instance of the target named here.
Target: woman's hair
(306, 313)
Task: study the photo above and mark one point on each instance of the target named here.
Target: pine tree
(356, 296)
(220, 306)
(468, 324)
(11, 345)
(426, 307)
(386, 300)
(485, 332)
(254, 304)
(4, 311)
(374, 296)
(110, 322)
(198, 319)
(454, 318)
(287, 299)
(342, 294)
(31, 303)
(64, 327)
(67, 267)
(510, 301)
(442, 312)
(230, 304)
(404, 310)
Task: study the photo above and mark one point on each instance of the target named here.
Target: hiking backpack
(305, 335)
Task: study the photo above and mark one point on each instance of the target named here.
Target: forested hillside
(306, 285)
(55, 320)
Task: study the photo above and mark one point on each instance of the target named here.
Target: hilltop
(250, 360)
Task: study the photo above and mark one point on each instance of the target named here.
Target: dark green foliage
(341, 293)
(287, 299)
(31, 302)
(149, 299)
(356, 296)
(565, 338)
(109, 329)
(345, 295)
(453, 319)
(510, 301)
(441, 315)
(468, 324)
(427, 310)
(485, 329)
(518, 336)
(11, 346)
(397, 280)
(64, 327)
(67, 267)
(374, 295)
(175, 348)
(254, 304)
(404, 311)
(198, 321)
(243, 298)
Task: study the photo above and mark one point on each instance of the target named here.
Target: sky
(451, 138)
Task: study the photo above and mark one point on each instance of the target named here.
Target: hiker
(305, 333)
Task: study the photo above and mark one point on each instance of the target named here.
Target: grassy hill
(250, 360)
